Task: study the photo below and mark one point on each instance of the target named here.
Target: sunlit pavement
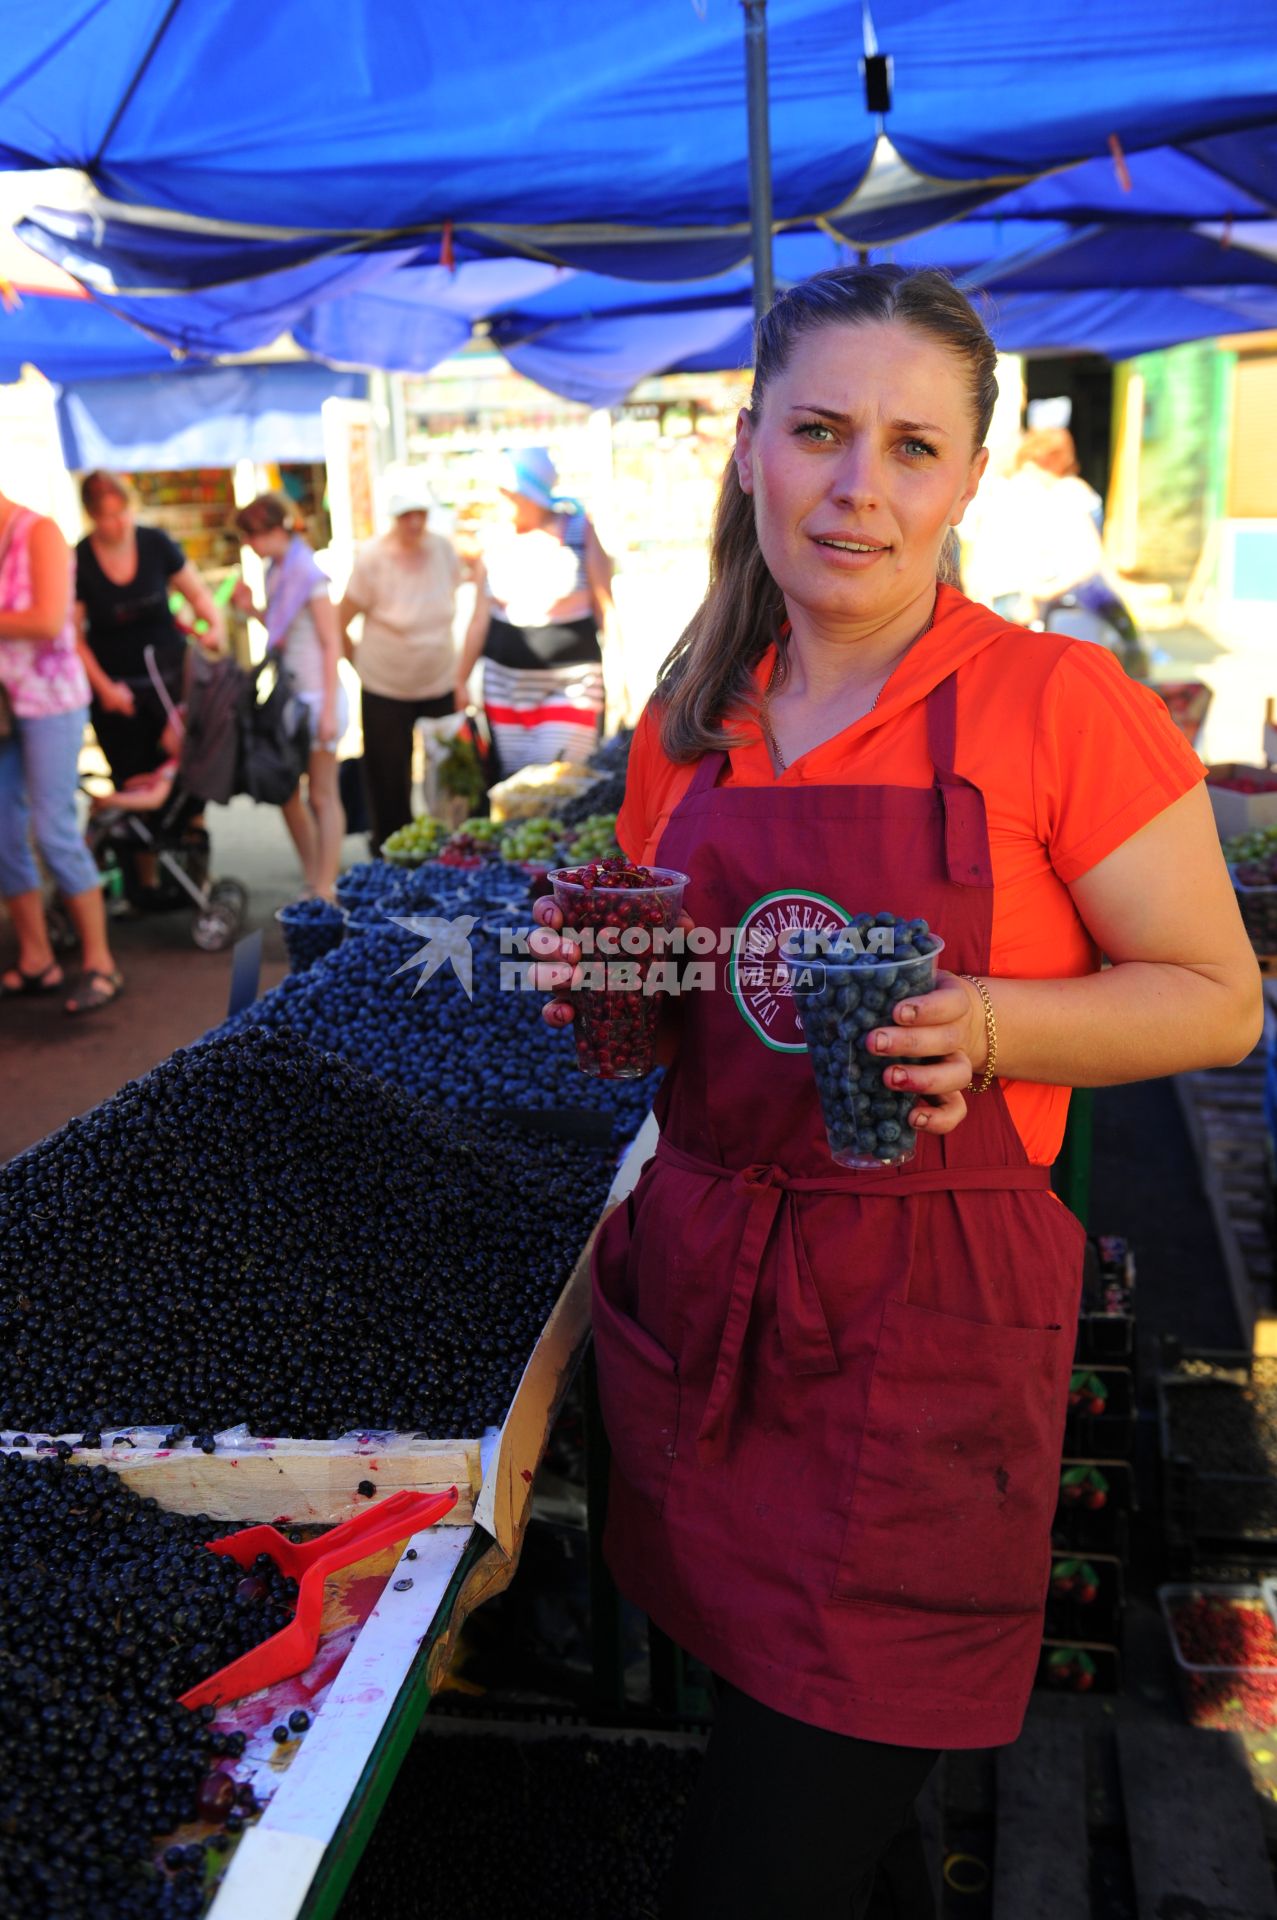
(53, 1065)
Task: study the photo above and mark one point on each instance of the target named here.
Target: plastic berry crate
(1097, 1498)
(1079, 1666)
(1086, 1598)
(1223, 1696)
(1101, 1416)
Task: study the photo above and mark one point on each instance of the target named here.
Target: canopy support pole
(760, 154)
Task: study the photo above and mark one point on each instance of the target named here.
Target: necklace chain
(778, 676)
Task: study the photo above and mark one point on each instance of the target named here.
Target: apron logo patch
(758, 981)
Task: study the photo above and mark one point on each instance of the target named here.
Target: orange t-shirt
(1072, 758)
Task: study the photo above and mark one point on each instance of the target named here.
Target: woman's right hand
(242, 597)
(116, 697)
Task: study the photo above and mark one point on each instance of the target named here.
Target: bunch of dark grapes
(257, 1232)
(113, 1609)
(564, 1828)
(605, 796)
(489, 1048)
(613, 756)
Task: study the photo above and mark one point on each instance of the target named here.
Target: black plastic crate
(1086, 1599)
(1097, 1498)
(1079, 1666)
(1101, 1417)
(1217, 1430)
(1106, 1340)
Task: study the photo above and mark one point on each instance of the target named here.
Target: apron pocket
(638, 1395)
(959, 1466)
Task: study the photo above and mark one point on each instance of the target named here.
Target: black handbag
(274, 738)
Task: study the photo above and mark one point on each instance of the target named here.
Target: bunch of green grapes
(1259, 844)
(410, 845)
(595, 839)
(486, 832)
(535, 841)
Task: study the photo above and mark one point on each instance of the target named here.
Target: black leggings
(789, 1819)
(388, 725)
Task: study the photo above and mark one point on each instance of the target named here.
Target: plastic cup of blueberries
(845, 985)
(617, 1009)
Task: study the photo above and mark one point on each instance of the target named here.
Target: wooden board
(1042, 1864)
(1196, 1841)
(307, 1481)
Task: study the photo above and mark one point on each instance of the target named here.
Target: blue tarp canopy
(614, 138)
(200, 417)
(592, 338)
(72, 339)
(327, 172)
(1049, 286)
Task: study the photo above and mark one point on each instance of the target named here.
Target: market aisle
(55, 1067)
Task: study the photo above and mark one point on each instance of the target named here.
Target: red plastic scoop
(292, 1649)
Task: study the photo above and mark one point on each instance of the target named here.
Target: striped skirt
(543, 713)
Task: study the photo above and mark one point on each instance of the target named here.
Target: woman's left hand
(328, 727)
(943, 1033)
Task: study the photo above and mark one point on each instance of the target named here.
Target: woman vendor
(835, 1397)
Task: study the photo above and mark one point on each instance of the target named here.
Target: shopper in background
(124, 575)
(301, 633)
(548, 586)
(45, 707)
(404, 584)
(1037, 533)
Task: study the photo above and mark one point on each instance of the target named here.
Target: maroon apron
(835, 1398)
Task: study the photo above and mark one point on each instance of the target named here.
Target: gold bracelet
(991, 1029)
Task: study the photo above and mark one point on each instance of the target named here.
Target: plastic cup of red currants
(846, 982)
(617, 1008)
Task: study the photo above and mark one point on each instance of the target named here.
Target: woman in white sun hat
(548, 590)
(404, 584)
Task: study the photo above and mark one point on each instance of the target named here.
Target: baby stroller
(174, 833)
(175, 836)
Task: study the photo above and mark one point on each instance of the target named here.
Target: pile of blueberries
(259, 1233)
(565, 1825)
(843, 995)
(366, 881)
(312, 928)
(114, 1609)
(412, 1021)
(437, 887)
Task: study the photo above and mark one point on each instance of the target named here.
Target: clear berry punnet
(847, 982)
(617, 1009)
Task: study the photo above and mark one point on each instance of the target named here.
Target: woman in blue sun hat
(548, 586)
